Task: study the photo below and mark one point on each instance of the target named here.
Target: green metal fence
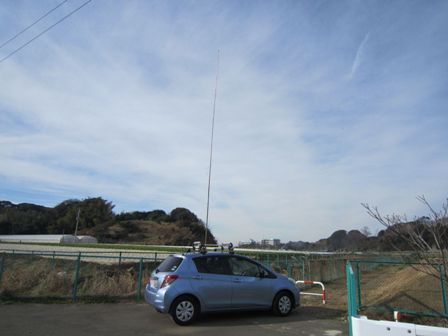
(106, 275)
(324, 268)
(382, 287)
(306, 267)
(55, 276)
(110, 275)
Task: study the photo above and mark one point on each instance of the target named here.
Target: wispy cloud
(358, 56)
(117, 102)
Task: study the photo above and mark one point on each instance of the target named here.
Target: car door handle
(197, 277)
(236, 280)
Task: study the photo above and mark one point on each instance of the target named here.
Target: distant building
(274, 242)
(251, 242)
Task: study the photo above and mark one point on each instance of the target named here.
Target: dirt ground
(336, 296)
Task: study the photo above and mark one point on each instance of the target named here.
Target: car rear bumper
(156, 298)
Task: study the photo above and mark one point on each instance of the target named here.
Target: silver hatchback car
(184, 285)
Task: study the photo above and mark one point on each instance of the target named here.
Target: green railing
(42, 275)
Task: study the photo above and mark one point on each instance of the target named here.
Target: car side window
(212, 264)
(243, 267)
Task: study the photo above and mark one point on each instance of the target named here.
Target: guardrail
(310, 282)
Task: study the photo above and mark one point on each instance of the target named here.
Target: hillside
(97, 218)
(179, 227)
(355, 241)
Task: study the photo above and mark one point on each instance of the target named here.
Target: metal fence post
(358, 283)
(303, 269)
(139, 283)
(442, 285)
(75, 281)
(119, 260)
(309, 269)
(351, 295)
(2, 263)
(53, 263)
(334, 272)
(155, 257)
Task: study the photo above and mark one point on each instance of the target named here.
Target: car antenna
(211, 152)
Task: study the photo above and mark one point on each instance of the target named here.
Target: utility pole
(77, 222)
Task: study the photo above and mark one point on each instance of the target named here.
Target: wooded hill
(97, 218)
(179, 227)
(388, 239)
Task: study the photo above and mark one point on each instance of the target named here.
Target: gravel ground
(140, 319)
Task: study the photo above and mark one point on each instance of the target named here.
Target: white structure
(87, 240)
(362, 326)
(56, 239)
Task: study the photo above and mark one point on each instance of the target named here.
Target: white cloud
(120, 107)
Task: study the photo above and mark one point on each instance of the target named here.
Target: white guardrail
(362, 326)
(310, 282)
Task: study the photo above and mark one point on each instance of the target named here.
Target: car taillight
(169, 279)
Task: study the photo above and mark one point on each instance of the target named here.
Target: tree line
(96, 217)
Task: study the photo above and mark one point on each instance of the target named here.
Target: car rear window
(170, 264)
(212, 264)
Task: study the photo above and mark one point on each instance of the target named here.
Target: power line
(44, 31)
(28, 27)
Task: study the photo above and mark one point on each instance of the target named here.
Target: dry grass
(388, 287)
(26, 277)
(34, 278)
(406, 288)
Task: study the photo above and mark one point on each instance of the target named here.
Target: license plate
(153, 282)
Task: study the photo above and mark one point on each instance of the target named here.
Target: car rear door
(213, 281)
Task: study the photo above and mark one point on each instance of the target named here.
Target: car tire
(283, 304)
(184, 310)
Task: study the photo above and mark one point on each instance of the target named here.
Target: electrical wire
(28, 27)
(44, 31)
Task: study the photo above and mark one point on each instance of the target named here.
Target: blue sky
(321, 105)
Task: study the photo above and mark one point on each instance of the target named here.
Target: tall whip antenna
(211, 152)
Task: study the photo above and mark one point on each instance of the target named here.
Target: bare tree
(366, 231)
(426, 236)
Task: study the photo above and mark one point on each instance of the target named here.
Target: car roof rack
(199, 247)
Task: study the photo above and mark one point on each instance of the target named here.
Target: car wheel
(283, 304)
(184, 310)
